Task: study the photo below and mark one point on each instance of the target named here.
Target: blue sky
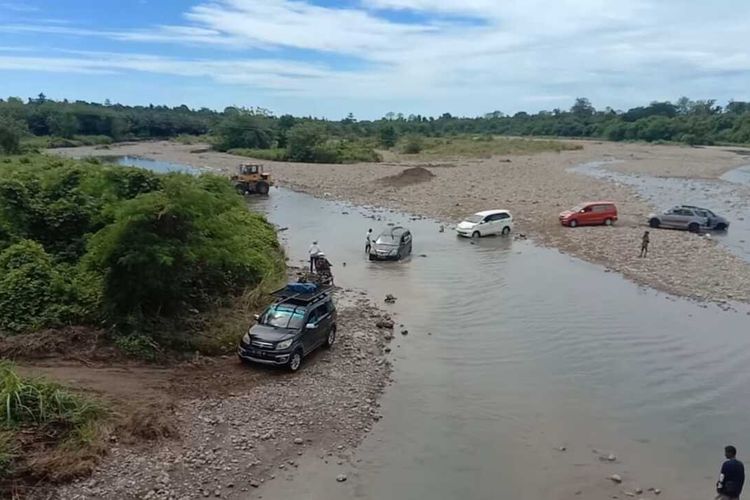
(369, 57)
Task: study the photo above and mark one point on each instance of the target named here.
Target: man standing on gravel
(732, 476)
(368, 241)
(313, 251)
(644, 244)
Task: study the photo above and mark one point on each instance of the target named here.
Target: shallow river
(514, 351)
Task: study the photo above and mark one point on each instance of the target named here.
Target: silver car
(688, 217)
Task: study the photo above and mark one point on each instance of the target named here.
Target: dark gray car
(291, 328)
(690, 218)
(392, 244)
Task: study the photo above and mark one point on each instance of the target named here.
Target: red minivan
(589, 214)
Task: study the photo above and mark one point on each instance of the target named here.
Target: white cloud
(264, 73)
(18, 7)
(467, 56)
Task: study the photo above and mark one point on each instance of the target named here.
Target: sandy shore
(535, 188)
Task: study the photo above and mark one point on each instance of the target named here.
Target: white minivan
(486, 222)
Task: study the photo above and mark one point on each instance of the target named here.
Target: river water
(162, 167)
(514, 351)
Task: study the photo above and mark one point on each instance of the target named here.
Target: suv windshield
(474, 219)
(284, 316)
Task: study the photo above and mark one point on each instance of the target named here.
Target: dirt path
(236, 426)
(535, 188)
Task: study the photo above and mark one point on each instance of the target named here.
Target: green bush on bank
(82, 243)
(319, 151)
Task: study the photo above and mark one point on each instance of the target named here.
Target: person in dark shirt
(645, 240)
(732, 476)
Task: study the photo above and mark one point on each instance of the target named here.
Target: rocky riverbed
(229, 445)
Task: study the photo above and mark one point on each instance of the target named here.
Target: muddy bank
(535, 188)
(238, 426)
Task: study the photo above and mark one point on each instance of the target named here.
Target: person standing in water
(368, 241)
(313, 251)
(731, 477)
(645, 240)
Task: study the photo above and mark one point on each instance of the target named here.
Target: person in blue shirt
(732, 476)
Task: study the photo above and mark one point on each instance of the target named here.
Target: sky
(329, 58)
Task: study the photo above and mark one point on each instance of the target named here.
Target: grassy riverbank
(47, 433)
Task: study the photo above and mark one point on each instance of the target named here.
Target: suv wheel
(573, 223)
(475, 234)
(607, 222)
(654, 222)
(694, 227)
(721, 226)
(331, 338)
(295, 361)
(506, 230)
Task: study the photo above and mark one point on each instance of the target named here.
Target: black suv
(291, 328)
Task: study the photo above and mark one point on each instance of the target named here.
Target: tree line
(287, 137)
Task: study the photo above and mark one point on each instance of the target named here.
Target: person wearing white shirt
(313, 252)
(368, 241)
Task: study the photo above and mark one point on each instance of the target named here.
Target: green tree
(244, 130)
(178, 249)
(62, 124)
(582, 108)
(388, 136)
(304, 142)
(10, 135)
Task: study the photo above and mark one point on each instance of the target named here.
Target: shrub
(30, 287)
(244, 130)
(273, 154)
(355, 151)
(139, 347)
(181, 248)
(413, 145)
(305, 142)
(143, 252)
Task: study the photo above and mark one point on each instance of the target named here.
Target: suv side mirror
(257, 317)
(310, 326)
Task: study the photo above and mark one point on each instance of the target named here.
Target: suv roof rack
(284, 294)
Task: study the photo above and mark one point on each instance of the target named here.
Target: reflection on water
(161, 167)
(514, 350)
(729, 197)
